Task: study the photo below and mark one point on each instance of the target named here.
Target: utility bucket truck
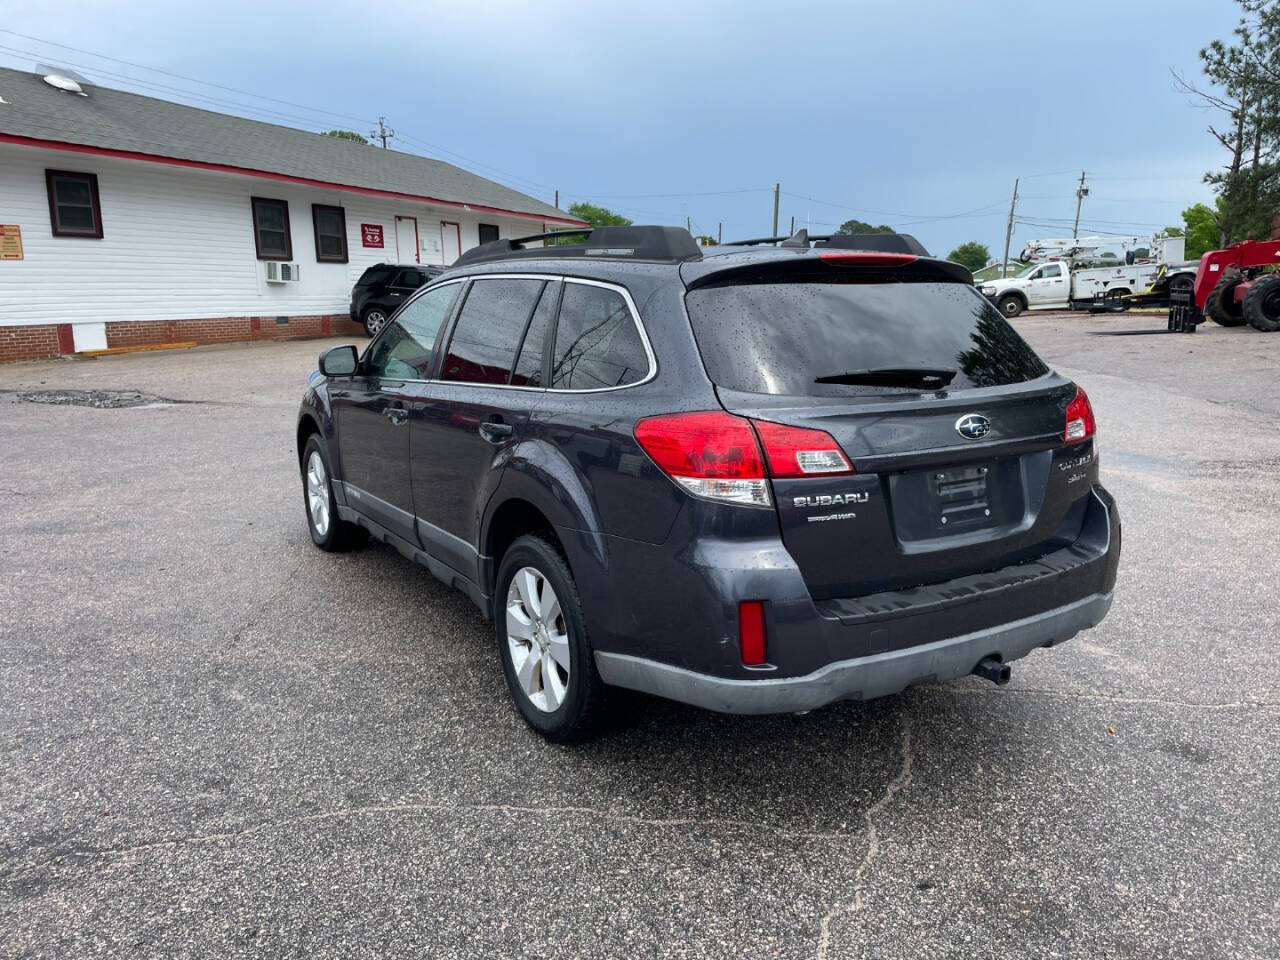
(1065, 275)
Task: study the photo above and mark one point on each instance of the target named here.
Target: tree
(1203, 232)
(346, 135)
(598, 216)
(851, 227)
(973, 255)
(1244, 86)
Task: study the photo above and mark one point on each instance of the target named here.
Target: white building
(126, 220)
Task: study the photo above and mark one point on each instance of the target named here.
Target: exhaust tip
(989, 668)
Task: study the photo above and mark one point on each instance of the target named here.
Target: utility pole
(383, 133)
(1081, 192)
(688, 225)
(719, 234)
(792, 231)
(777, 188)
(557, 199)
(1008, 232)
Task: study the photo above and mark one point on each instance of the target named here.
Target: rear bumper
(863, 678)
(821, 651)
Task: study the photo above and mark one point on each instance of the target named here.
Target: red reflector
(706, 444)
(800, 451)
(868, 258)
(1080, 425)
(751, 632)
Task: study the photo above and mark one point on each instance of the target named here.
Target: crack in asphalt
(256, 615)
(898, 784)
(505, 809)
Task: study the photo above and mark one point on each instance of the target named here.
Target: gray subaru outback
(757, 477)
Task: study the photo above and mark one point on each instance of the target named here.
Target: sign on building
(371, 234)
(10, 241)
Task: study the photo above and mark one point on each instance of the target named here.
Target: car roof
(616, 253)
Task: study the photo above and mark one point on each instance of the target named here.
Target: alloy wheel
(538, 638)
(318, 493)
(374, 321)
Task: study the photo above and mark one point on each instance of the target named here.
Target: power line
(1095, 220)
(150, 84)
(913, 217)
(308, 121)
(179, 76)
(661, 196)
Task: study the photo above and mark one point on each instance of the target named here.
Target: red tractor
(1232, 287)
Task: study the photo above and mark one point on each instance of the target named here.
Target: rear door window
(376, 275)
(597, 342)
(412, 279)
(528, 369)
(489, 329)
(785, 338)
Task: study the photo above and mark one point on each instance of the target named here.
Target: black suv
(756, 478)
(384, 288)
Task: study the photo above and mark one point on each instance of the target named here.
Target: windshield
(848, 339)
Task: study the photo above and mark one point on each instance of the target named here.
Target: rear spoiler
(825, 266)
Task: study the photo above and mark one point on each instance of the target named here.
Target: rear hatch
(952, 424)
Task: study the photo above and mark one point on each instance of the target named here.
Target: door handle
(396, 415)
(495, 431)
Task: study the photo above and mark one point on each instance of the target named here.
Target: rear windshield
(375, 275)
(781, 338)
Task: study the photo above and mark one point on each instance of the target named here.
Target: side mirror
(339, 362)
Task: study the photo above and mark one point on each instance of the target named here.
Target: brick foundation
(29, 343)
(53, 340)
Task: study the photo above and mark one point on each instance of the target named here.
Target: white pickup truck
(1056, 286)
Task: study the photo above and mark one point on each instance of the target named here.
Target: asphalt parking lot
(219, 741)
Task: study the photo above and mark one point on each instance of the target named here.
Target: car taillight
(751, 632)
(799, 451)
(1080, 423)
(716, 455)
(711, 454)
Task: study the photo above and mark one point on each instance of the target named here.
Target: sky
(917, 115)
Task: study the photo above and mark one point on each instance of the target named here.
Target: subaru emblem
(973, 426)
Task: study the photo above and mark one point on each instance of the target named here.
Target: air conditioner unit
(278, 272)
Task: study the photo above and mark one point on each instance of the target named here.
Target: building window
(271, 229)
(488, 232)
(331, 233)
(74, 208)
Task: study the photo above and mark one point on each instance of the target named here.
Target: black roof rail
(623, 243)
(872, 242)
(752, 243)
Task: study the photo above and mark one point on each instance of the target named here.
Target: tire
(1221, 307)
(1010, 306)
(374, 319)
(564, 705)
(1118, 300)
(328, 531)
(1182, 284)
(1262, 303)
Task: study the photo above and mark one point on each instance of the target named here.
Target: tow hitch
(989, 668)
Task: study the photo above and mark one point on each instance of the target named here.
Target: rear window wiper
(893, 377)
